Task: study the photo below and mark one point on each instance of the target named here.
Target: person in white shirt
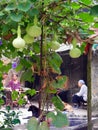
(81, 96)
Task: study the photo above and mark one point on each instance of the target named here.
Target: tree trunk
(89, 105)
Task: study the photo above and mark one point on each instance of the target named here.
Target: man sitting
(81, 96)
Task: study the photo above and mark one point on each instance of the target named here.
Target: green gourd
(18, 42)
(75, 52)
(34, 31)
(28, 39)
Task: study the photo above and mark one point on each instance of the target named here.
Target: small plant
(11, 118)
(1, 97)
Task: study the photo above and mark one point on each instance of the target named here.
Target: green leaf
(26, 63)
(96, 25)
(82, 47)
(51, 115)
(16, 121)
(33, 12)
(57, 59)
(59, 82)
(27, 75)
(86, 17)
(5, 68)
(51, 90)
(33, 0)
(75, 5)
(94, 10)
(54, 66)
(14, 95)
(21, 101)
(43, 126)
(5, 28)
(1, 63)
(1, 13)
(87, 2)
(59, 119)
(32, 124)
(16, 17)
(12, 113)
(8, 108)
(58, 103)
(54, 61)
(1, 102)
(24, 6)
(31, 92)
(21, 95)
(36, 47)
(10, 6)
(19, 67)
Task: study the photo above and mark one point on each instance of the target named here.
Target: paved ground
(25, 113)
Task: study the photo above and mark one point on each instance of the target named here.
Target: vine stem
(41, 60)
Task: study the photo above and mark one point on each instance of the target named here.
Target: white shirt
(83, 92)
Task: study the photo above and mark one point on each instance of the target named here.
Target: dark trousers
(78, 100)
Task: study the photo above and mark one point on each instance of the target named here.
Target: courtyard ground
(25, 113)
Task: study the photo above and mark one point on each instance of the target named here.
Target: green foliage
(60, 17)
(54, 61)
(31, 92)
(11, 118)
(87, 2)
(34, 125)
(14, 95)
(27, 76)
(59, 83)
(58, 120)
(82, 47)
(24, 6)
(16, 17)
(58, 103)
(1, 102)
(10, 6)
(94, 10)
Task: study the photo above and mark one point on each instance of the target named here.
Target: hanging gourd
(18, 42)
(34, 31)
(54, 45)
(28, 39)
(75, 52)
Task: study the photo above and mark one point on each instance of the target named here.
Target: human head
(5, 75)
(14, 76)
(80, 83)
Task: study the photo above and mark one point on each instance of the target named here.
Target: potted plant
(11, 118)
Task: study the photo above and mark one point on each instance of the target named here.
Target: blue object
(14, 65)
(95, 46)
(0, 42)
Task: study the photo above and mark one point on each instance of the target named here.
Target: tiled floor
(25, 113)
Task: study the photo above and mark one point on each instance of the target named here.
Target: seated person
(14, 83)
(5, 81)
(81, 96)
